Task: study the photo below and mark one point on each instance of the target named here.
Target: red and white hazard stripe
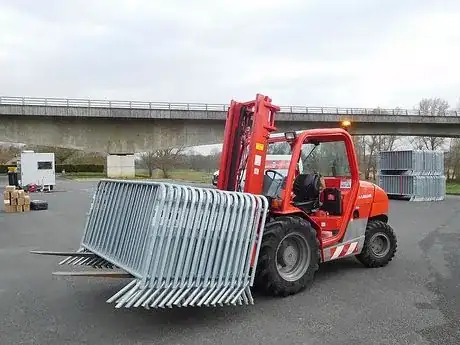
(344, 250)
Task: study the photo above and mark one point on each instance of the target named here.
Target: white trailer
(37, 168)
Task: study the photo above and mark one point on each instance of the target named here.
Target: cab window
(328, 159)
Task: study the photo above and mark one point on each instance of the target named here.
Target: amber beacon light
(345, 124)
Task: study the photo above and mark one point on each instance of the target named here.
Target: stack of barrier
(184, 245)
(415, 174)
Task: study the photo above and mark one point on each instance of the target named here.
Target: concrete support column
(120, 165)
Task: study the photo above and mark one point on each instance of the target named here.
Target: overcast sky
(300, 52)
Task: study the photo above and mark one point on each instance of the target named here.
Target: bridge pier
(120, 165)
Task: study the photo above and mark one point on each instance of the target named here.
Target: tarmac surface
(414, 300)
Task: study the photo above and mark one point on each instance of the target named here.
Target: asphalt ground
(414, 300)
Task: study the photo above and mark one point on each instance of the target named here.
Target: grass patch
(182, 175)
(191, 175)
(453, 188)
(178, 174)
(83, 175)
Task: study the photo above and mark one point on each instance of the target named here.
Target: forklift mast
(247, 130)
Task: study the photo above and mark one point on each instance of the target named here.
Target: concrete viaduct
(120, 127)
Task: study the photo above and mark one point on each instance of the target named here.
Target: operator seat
(307, 189)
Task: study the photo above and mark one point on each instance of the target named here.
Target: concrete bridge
(132, 126)
(126, 127)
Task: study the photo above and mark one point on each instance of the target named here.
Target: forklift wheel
(379, 245)
(289, 256)
(37, 205)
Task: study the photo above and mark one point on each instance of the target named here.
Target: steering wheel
(274, 174)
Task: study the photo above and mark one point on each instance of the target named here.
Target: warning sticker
(257, 160)
(259, 146)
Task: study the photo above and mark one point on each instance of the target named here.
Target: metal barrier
(184, 245)
(414, 187)
(417, 175)
(414, 162)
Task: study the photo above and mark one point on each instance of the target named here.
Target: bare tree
(7, 153)
(83, 157)
(398, 111)
(61, 154)
(452, 160)
(148, 161)
(367, 150)
(431, 107)
(162, 159)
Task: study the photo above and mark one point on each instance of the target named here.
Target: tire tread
(267, 278)
(366, 257)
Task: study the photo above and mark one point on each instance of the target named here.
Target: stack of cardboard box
(15, 200)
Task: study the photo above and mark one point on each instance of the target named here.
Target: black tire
(369, 256)
(268, 279)
(38, 205)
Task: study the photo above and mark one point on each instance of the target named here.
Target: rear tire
(287, 241)
(380, 245)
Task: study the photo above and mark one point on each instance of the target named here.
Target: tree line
(167, 160)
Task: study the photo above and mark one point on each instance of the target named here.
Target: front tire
(380, 245)
(289, 257)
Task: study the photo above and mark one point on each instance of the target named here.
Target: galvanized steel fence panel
(417, 174)
(412, 162)
(414, 187)
(185, 245)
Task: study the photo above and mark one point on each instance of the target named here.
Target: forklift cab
(329, 175)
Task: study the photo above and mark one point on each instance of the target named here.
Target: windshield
(328, 159)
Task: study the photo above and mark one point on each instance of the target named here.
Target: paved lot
(414, 300)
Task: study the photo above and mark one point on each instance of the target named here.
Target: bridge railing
(95, 103)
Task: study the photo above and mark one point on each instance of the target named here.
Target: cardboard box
(9, 209)
(10, 188)
(15, 200)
